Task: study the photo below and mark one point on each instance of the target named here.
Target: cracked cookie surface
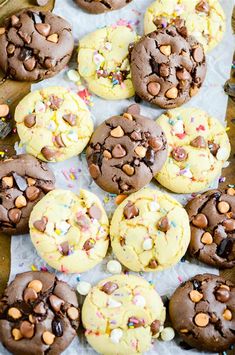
(103, 61)
(53, 123)
(204, 19)
(70, 231)
(198, 147)
(149, 231)
(202, 311)
(122, 314)
(125, 152)
(100, 6)
(39, 314)
(24, 180)
(35, 45)
(168, 67)
(212, 218)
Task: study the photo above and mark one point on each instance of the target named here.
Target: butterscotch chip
(36, 285)
(48, 338)
(14, 313)
(73, 313)
(227, 315)
(20, 201)
(195, 296)
(16, 334)
(117, 132)
(207, 238)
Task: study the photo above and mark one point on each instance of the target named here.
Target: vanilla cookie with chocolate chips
(202, 311)
(34, 45)
(132, 311)
(198, 148)
(39, 314)
(125, 152)
(103, 61)
(70, 231)
(149, 231)
(24, 180)
(53, 123)
(100, 6)
(168, 67)
(212, 218)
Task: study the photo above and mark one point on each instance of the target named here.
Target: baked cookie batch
(184, 150)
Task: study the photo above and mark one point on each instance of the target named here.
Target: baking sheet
(73, 173)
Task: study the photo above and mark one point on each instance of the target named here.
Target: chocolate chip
(163, 224)
(183, 74)
(198, 142)
(136, 136)
(149, 158)
(32, 193)
(57, 328)
(25, 54)
(179, 154)
(196, 284)
(25, 36)
(225, 248)
(89, 244)
(164, 70)
(14, 20)
(65, 248)
(70, 118)
(49, 154)
(213, 147)
(41, 224)
(222, 294)
(198, 54)
(133, 109)
(55, 102)
(30, 64)
(40, 308)
(20, 181)
(56, 303)
(155, 327)
(14, 215)
(27, 329)
(94, 171)
(153, 264)
(49, 63)
(203, 6)
(30, 294)
(154, 88)
(43, 28)
(130, 211)
(30, 120)
(118, 151)
(59, 141)
(200, 221)
(155, 143)
(95, 212)
(135, 322)
(109, 287)
(229, 225)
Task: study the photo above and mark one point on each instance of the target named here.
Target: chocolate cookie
(202, 311)
(100, 6)
(126, 151)
(168, 67)
(39, 314)
(212, 219)
(24, 180)
(34, 45)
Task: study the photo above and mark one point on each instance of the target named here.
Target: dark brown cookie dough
(34, 45)
(125, 152)
(212, 220)
(24, 180)
(38, 314)
(168, 67)
(202, 311)
(99, 6)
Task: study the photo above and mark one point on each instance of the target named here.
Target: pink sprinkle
(64, 172)
(133, 320)
(43, 268)
(181, 135)
(200, 128)
(123, 86)
(180, 279)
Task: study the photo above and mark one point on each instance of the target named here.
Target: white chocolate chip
(167, 334)
(52, 126)
(148, 244)
(187, 173)
(83, 288)
(178, 127)
(116, 335)
(73, 75)
(154, 206)
(63, 227)
(39, 107)
(113, 304)
(114, 267)
(139, 301)
(108, 46)
(72, 135)
(222, 154)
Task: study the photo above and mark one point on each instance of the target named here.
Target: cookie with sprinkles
(103, 61)
(70, 231)
(39, 314)
(53, 123)
(149, 231)
(100, 6)
(198, 147)
(122, 314)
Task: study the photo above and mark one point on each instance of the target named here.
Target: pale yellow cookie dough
(103, 61)
(204, 19)
(150, 234)
(203, 163)
(53, 123)
(121, 315)
(69, 231)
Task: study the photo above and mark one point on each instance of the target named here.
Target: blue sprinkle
(173, 224)
(78, 279)
(171, 122)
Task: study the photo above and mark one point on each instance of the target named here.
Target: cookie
(202, 311)
(198, 148)
(149, 231)
(122, 315)
(53, 123)
(70, 231)
(103, 61)
(35, 45)
(126, 151)
(168, 67)
(99, 6)
(212, 218)
(204, 19)
(39, 314)
(24, 180)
